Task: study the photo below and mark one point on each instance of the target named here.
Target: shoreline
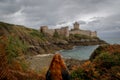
(41, 63)
(43, 55)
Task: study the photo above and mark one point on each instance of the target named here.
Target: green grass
(24, 65)
(79, 74)
(79, 36)
(6, 26)
(56, 35)
(36, 33)
(14, 48)
(107, 60)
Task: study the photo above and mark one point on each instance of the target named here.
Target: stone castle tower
(64, 31)
(76, 26)
(44, 29)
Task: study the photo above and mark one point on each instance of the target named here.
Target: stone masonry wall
(93, 34)
(82, 32)
(64, 31)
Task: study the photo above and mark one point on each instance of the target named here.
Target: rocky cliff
(36, 42)
(18, 42)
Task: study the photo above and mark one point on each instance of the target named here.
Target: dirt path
(40, 63)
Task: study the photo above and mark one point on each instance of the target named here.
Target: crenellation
(64, 31)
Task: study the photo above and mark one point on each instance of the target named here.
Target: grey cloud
(8, 7)
(91, 14)
(105, 23)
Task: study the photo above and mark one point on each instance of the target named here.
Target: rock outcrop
(37, 42)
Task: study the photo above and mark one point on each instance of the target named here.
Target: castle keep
(64, 31)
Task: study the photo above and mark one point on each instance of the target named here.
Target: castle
(64, 31)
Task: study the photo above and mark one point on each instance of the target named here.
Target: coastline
(40, 63)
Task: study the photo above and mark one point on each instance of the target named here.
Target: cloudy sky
(99, 15)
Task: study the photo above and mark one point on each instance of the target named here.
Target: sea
(84, 52)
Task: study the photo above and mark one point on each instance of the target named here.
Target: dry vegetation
(17, 42)
(11, 66)
(103, 66)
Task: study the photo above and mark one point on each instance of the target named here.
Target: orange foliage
(105, 66)
(112, 48)
(90, 69)
(4, 68)
(13, 71)
(15, 65)
(57, 69)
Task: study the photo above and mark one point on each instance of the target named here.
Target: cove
(79, 52)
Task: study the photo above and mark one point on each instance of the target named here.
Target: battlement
(64, 31)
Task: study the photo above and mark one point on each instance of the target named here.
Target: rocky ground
(22, 43)
(40, 63)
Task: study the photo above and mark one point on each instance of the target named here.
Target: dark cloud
(100, 15)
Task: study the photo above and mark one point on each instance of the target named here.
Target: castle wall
(94, 34)
(64, 31)
(50, 31)
(86, 32)
(82, 32)
(43, 29)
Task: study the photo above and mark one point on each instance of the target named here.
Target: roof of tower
(76, 23)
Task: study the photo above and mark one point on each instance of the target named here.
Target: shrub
(106, 60)
(36, 33)
(79, 74)
(56, 35)
(24, 65)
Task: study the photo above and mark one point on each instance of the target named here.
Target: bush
(79, 36)
(36, 33)
(56, 35)
(79, 74)
(24, 65)
(107, 61)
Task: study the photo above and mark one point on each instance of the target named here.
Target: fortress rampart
(64, 31)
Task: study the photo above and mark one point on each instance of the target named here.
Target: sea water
(79, 52)
(84, 52)
(111, 40)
